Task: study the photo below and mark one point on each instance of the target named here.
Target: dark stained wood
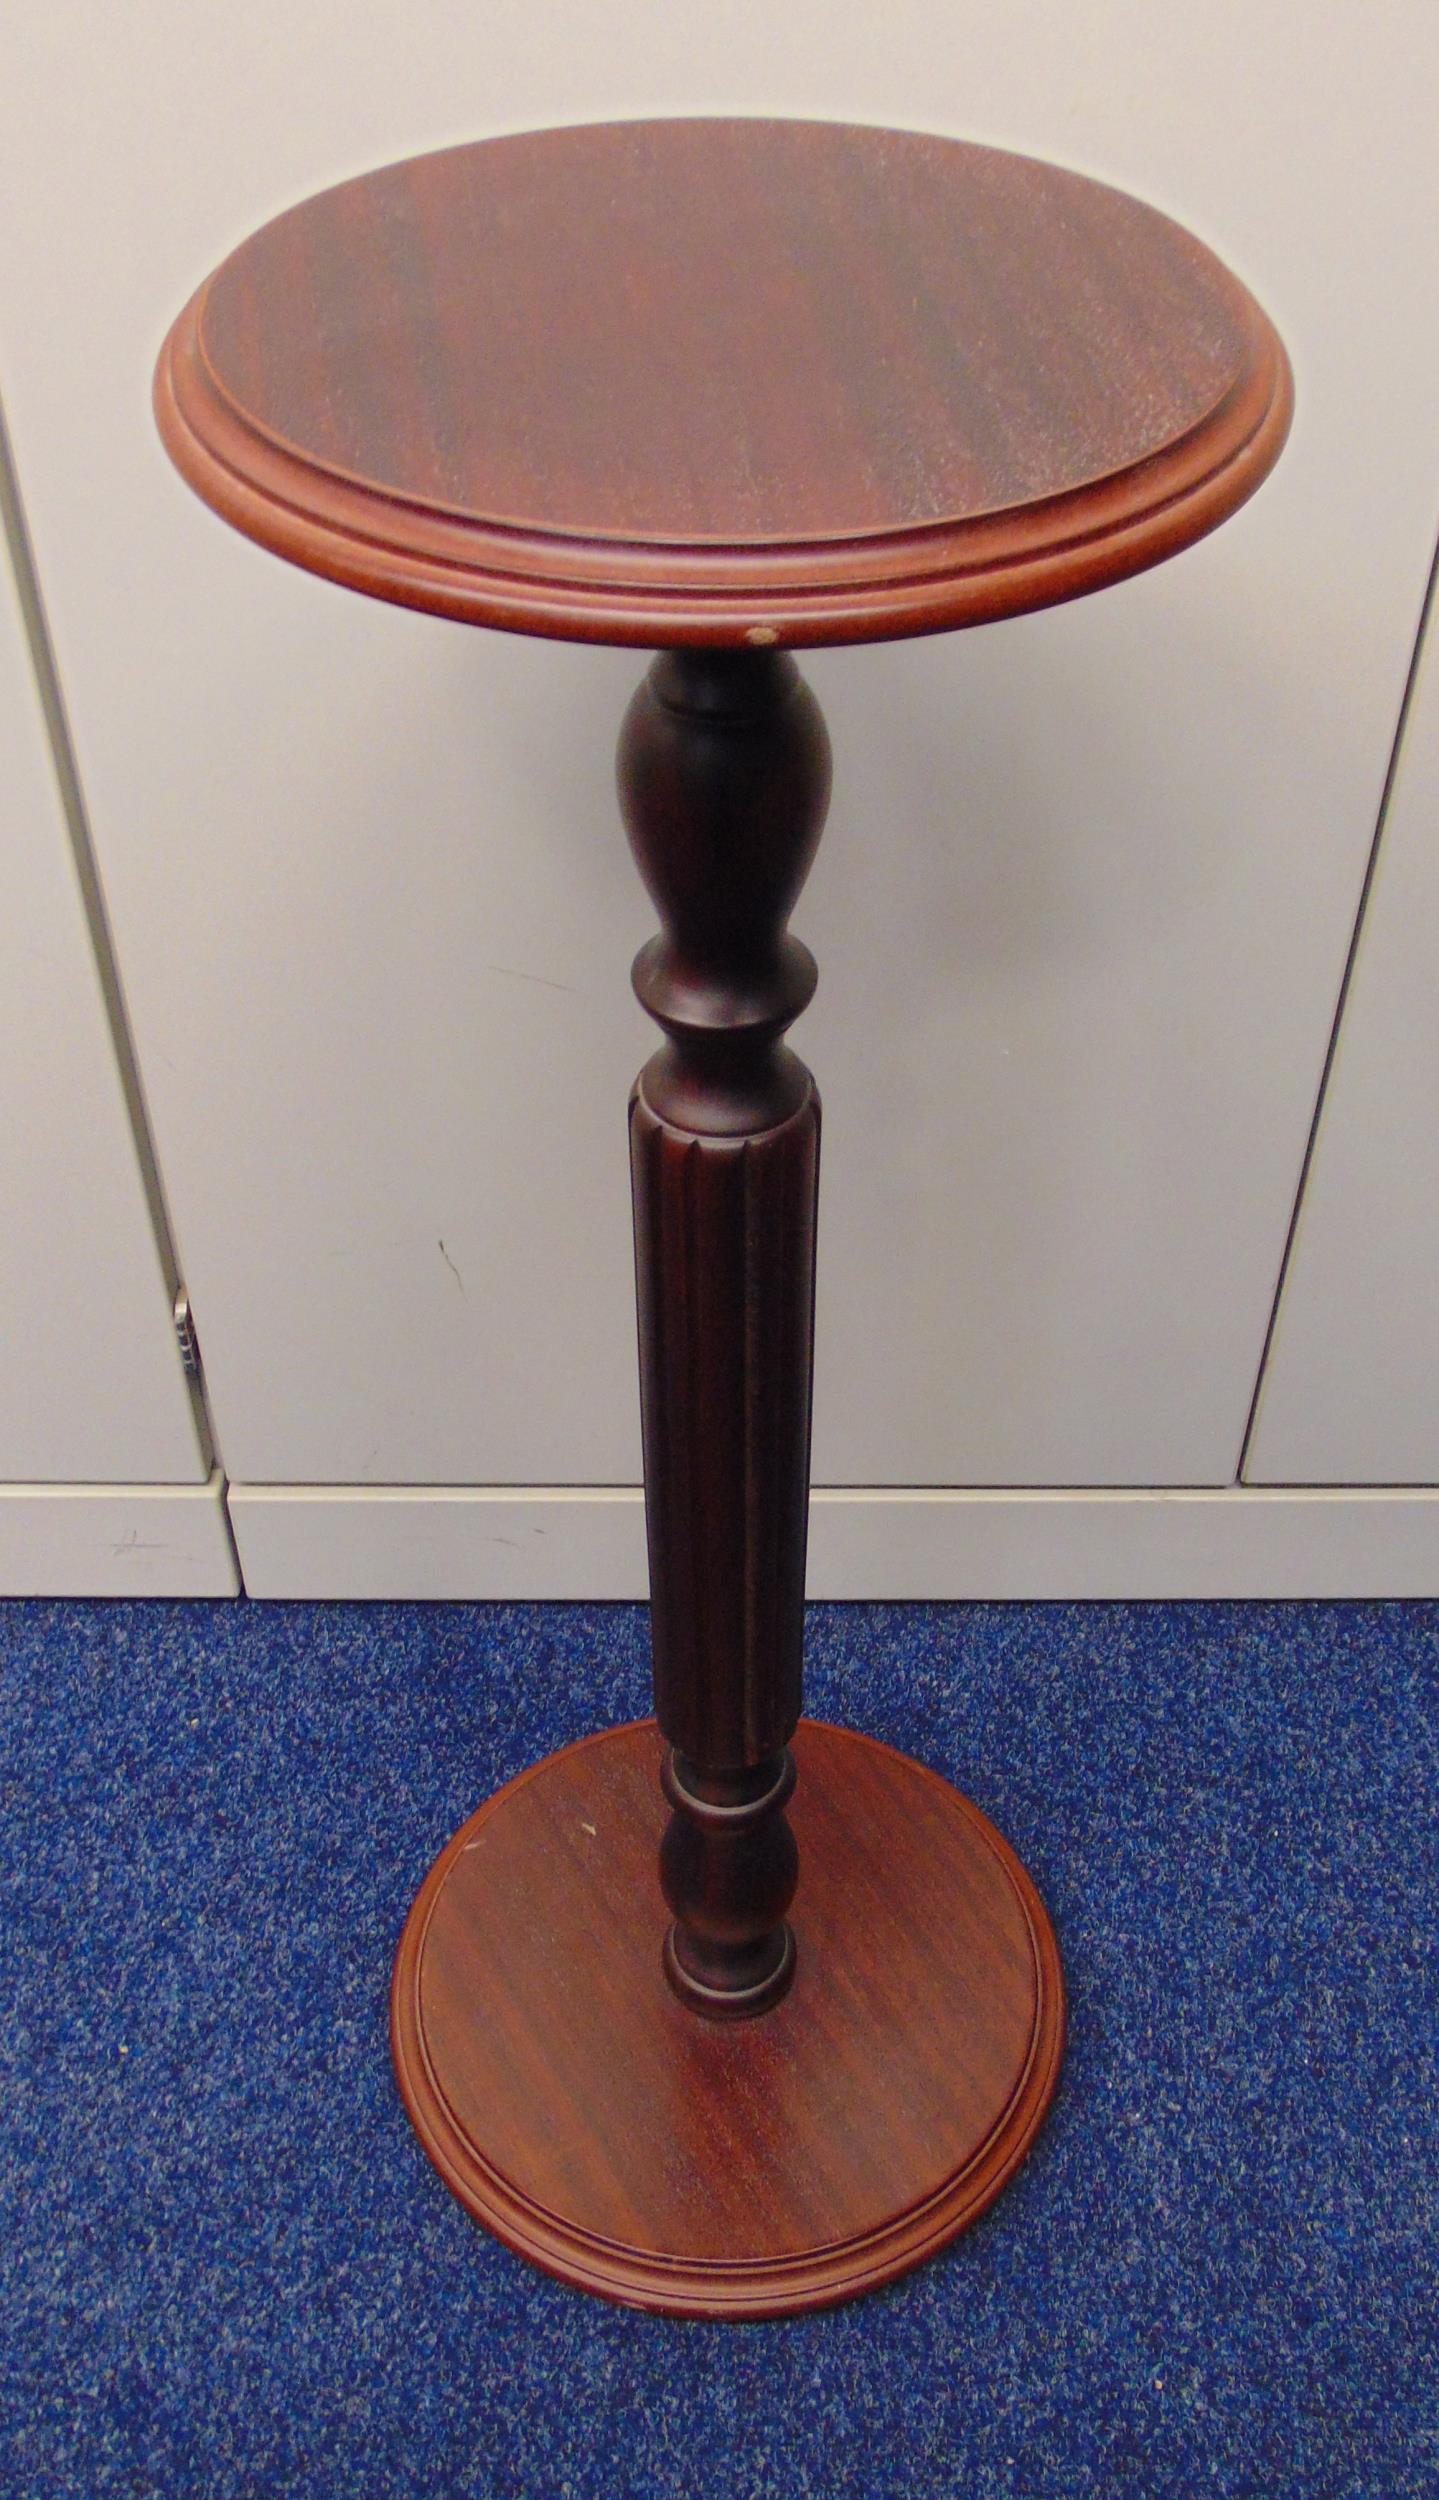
(724, 772)
(720, 386)
(719, 381)
(741, 2170)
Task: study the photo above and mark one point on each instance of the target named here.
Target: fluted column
(724, 781)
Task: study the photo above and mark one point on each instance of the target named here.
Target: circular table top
(723, 382)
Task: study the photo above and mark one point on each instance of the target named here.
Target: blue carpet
(226, 2268)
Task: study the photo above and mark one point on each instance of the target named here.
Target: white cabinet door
(1351, 1389)
(1085, 901)
(91, 1384)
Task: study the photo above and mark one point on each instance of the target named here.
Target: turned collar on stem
(723, 684)
(724, 778)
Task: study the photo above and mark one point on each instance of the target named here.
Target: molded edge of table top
(656, 594)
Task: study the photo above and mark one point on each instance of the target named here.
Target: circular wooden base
(735, 2170)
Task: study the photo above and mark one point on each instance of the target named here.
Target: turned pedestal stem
(724, 781)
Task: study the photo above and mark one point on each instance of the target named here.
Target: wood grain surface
(727, 2170)
(718, 381)
(724, 775)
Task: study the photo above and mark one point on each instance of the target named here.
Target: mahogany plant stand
(724, 388)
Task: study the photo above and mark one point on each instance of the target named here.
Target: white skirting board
(300, 1541)
(116, 1540)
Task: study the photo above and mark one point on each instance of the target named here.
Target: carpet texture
(227, 2269)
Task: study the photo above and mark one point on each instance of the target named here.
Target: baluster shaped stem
(724, 781)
